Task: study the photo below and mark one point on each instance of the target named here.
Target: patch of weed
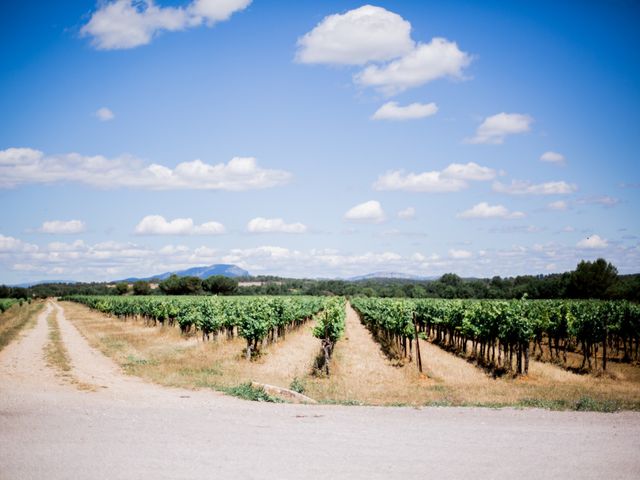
(297, 385)
(247, 391)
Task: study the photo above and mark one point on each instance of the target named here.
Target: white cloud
(426, 62)
(460, 254)
(413, 111)
(407, 213)
(381, 41)
(104, 114)
(495, 128)
(553, 157)
(9, 244)
(484, 210)
(452, 179)
(158, 225)
(123, 24)
(518, 187)
(61, 227)
(211, 11)
(274, 225)
(14, 245)
(469, 171)
(356, 37)
(559, 205)
(368, 212)
(67, 247)
(28, 166)
(593, 242)
(605, 201)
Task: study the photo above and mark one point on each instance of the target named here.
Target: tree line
(598, 280)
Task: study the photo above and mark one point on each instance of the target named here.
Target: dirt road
(126, 428)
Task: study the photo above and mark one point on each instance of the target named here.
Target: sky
(317, 139)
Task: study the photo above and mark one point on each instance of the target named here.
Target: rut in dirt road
(23, 361)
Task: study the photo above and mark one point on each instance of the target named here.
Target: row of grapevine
(330, 327)
(6, 303)
(497, 331)
(390, 322)
(256, 319)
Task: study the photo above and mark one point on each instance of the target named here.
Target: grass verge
(57, 355)
(15, 319)
(55, 351)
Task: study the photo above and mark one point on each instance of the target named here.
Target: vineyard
(495, 333)
(378, 350)
(258, 320)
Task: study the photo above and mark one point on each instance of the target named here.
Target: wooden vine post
(419, 357)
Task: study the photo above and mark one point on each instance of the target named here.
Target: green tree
(141, 287)
(122, 288)
(175, 285)
(592, 279)
(220, 285)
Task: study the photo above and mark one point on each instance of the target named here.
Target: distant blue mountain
(201, 272)
(388, 275)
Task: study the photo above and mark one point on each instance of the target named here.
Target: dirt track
(127, 428)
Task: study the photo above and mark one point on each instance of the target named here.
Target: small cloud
(104, 114)
(518, 187)
(516, 229)
(413, 111)
(274, 225)
(367, 212)
(356, 37)
(604, 200)
(459, 254)
(560, 205)
(407, 213)
(158, 225)
(452, 179)
(494, 129)
(60, 227)
(593, 242)
(439, 58)
(568, 229)
(484, 210)
(553, 157)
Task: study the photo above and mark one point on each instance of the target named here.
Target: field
(555, 348)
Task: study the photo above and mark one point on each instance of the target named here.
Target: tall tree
(592, 279)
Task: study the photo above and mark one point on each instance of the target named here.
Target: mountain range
(223, 269)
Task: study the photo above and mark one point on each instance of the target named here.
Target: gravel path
(130, 429)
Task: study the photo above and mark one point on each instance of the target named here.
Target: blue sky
(480, 138)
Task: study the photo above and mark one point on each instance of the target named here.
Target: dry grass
(360, 373)
(55, 351)
(57, 356)
(17, 318)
